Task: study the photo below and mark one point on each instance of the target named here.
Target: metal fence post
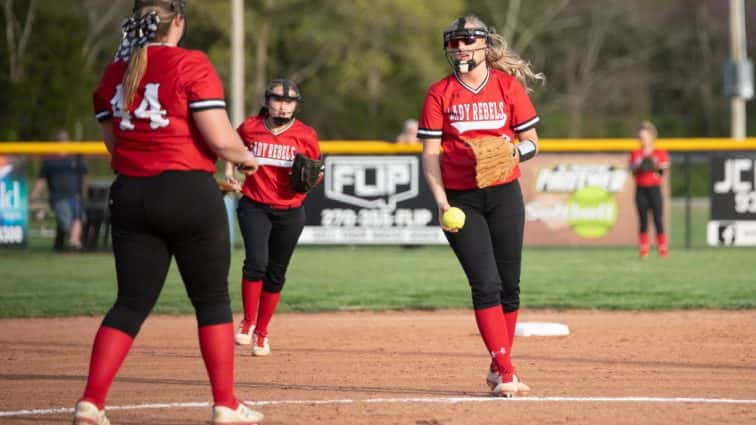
(688, 196)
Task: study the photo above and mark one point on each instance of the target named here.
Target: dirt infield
(420, 368)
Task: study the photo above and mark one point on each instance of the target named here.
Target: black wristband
(527, 149)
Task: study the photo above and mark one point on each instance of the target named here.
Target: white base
(541, 329)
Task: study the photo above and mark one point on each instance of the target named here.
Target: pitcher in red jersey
(484, 96)
(648, 165)
(271, 215)
(162, 113)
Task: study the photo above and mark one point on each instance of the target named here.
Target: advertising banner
(372, 200)
(571, 199)
(581, 200)
(14, 208)
(733, 201)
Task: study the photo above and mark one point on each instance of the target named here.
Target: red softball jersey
(649, 178)
(156, 132)
(455, 112)
(275, 153)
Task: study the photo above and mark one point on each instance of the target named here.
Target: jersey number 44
(149, 108)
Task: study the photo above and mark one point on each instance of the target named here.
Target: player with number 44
(156, 101)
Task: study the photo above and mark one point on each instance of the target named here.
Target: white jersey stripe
(203, 104)
(429, 133)
(527, 124)
(283, 163)
(463, 126)
(102, 115)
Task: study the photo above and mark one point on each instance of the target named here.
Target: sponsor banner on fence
(731, 233)
(733, 200)
(571, 199)
(372, 200)
(14, 209)
(581, 199)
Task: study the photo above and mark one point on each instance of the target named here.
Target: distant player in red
(162, 113)
(648, 165)
(485, 96)
(271, 215)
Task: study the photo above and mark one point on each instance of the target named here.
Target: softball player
(484, 96)
(162, 114)
(271, 215)
(648, 165)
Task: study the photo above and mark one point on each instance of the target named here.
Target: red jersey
(455, 112)
(275, 153)
(648, 178)
(156, 132)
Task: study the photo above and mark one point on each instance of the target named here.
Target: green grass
(40, 283)
(37, 282)
(699, 217)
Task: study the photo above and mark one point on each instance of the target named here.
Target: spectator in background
(648, 164)
(408, 136)
(64, 176)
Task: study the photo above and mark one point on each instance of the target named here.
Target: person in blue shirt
(64, 176)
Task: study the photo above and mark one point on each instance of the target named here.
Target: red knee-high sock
(268, 303)
(217, 346)
(108, 353)
(251, 298)
(493, 329)
(643, 239)
(511, 318)
(661, 244)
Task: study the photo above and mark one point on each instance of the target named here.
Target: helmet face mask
(464, 34)
(454, 43)
(460, 36)
(282, 97)
(289, 93)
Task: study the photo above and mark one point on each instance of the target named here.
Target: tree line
(365, 65)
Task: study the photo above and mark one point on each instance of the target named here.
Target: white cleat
(243, 415)
(244, 333)
(261, 350)
(506, 389)
(87, 413)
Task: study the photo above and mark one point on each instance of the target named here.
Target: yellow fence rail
(381, 147)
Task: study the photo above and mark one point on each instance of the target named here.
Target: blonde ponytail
(133, 76)
(501, 57)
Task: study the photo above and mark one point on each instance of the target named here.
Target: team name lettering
(271, 151)
(478, 111)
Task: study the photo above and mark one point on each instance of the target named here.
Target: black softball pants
(649, 198)
(175, 214)
(270, 236)
(489, 246)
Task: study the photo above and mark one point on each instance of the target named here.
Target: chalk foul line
(432, 400)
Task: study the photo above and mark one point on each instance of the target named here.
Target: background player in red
(648, 165)
(484, 96)
(163, 118)
(271, 215)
